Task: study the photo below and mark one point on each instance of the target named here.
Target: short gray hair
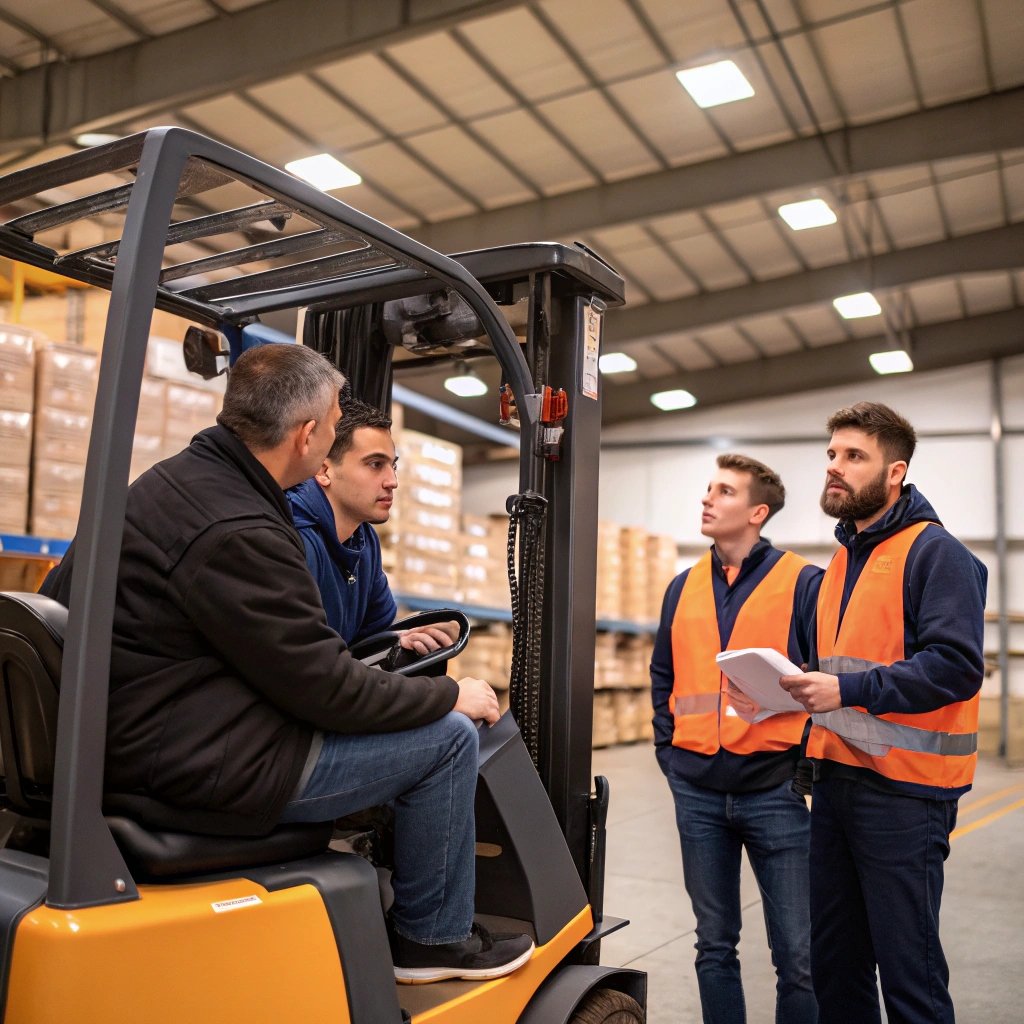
(273, 388)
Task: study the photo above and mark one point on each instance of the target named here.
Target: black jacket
(223, 664)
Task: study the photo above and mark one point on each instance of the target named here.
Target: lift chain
(527, 515)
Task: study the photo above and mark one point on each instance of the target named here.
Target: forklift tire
(607, 1006)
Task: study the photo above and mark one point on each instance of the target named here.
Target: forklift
(103, 918)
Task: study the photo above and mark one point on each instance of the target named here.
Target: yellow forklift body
(503, 1000)
(226, 951)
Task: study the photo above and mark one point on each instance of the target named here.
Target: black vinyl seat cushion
(31, 650)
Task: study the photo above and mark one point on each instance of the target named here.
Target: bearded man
(894, 705)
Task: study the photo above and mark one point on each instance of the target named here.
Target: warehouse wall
(662, 490)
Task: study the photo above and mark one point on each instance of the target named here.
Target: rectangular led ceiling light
(714, 84)
(810, 213)
(324, 171)
(616, 362)
(669, 401)
(896, 361)
(850, 307)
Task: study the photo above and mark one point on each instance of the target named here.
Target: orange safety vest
(935, 748)
(705, 721)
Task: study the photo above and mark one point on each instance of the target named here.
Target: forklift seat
(31, 649)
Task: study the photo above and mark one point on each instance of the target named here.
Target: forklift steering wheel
(384, 650)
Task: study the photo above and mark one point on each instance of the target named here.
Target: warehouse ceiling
(482, 123)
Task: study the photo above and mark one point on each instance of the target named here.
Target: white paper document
(756, 672)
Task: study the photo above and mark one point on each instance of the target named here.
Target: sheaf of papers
(756, 672)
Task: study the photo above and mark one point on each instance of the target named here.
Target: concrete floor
(982, 910)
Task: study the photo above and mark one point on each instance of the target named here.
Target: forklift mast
(354, 263)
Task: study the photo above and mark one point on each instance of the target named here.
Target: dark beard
(858, 505)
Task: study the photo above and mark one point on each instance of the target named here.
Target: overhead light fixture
(669, 401)
(714, 84)
(616, 362)
(87, 139)
(892, 361)
(851, 307)
(324, 171)
(810, 213)
(466, 383)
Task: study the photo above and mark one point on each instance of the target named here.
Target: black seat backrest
(31, 647)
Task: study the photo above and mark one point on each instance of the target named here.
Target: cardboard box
(15, 438)
(17, 368)
(66, 378)
(61, 435)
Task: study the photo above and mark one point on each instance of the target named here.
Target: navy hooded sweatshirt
(354, 589)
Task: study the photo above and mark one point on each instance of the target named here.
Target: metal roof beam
(984, 251)
(934, 347)
(984, 125)
(54, 102)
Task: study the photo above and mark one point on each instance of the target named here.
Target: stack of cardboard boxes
(483, 562)
(488, 657)
(66, 380)
(421, 541)
(17, 396)
(609, 571)
(189, 409)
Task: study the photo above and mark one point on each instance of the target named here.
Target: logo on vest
(884, 564)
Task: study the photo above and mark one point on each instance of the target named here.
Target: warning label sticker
(223, 906)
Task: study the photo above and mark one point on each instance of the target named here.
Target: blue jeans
(876, 886)
(429, 774)
(773, 825)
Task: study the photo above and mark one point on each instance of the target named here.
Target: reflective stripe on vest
(704, 719)
(935, 748)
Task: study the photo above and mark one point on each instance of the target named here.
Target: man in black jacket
(234, 706)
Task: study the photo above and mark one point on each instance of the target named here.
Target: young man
(234, 706)
(333, 511)
(731, 779)
(899, 651)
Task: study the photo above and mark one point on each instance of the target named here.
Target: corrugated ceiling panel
(161, 18)
(913, 217)
(934, 301)
(300, 101)
(819, 324)
(523, 140)
(654, 269)
(685, 351)
(737, 214)
(605, 34)
(450, 73)
(762, 249)
(376, 89)
(727, 344)
(756, 121)
(468, 164)
(519, 47)
(821, 247)
(238, 124)
(589, 122)
(866, 232)
(808, 70)
(651, 363)
(399, 173)
(867, 68)
(867, 326)
(946, 46)
(973, 204)
(669, 118)
(695, 28)
(772, 334)
(1013, 179)
(987, 293)
(714, 267)
(1005, 40)
(77, 29)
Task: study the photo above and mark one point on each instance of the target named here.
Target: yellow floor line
(987, 820)
(976, 805)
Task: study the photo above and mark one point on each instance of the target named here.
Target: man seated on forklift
(335, 511)
(235, 707)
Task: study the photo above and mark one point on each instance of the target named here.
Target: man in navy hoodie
(333, 512)
(894, 702)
